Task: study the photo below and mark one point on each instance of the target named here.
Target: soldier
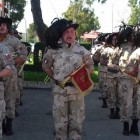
(11, 89)
(6, 69)
(104, 55)
(98, 47)
(113, 98)
(132, 70)
(101, 68)
(62, 57)
(20, 74)
(126, 84)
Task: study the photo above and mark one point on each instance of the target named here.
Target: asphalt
(36, 123)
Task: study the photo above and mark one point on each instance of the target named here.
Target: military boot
(117, 113)
(134, 127)
(112, 114)
(104, 103)
(16, 113)
(21, 103)
(126, 128)
(4, 126)
(9, 130)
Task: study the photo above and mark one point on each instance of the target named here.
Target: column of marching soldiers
(118, 59)
(13, 55)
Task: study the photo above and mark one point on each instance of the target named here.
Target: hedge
(39, 49)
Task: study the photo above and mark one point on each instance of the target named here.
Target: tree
(80, 11)
(32, 33)
(40, 26)
(135, 12)
(38, 21)
(16, 10)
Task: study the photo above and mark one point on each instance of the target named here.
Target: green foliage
(34, 76)
(32, 33)
(16, 11)
(30, 61)
(86, 45)
(40, 76)
(94, 76)
(135, 12)
(82, 13)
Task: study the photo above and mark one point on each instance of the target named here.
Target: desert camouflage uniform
(8, 63)
(11, 88)
(134, 66)
(101, 69)
(68, 104)
(126, 84)
(112, 79)
(23, 52)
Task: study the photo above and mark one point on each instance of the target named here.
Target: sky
(110, 14)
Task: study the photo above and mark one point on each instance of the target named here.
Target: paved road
(35, 122)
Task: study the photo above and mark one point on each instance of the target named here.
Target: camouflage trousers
(10, 93)
(113, 96)
(129, 98)
(69, 114)
(103, 83)
(2, 107)
(20, 91)
(138, 93)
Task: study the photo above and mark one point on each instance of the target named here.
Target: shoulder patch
(7, 57)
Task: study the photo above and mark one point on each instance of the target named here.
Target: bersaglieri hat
(6, 20)
(56, 29)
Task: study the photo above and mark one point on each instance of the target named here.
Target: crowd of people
(13, 54)
(118, 60)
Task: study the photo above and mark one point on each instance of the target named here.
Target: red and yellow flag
(82, 80)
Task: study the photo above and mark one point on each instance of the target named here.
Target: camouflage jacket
(127, 50)
(65, 60)
(15, 46)
(97, 54)
(113, 64)
(104, 59)
(6, 60)
(133, 65)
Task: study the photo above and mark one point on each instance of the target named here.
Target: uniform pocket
(1, 91)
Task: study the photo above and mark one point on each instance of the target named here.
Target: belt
(1, 79)
(113, 70)
(69, 84)
(19, 76)
(66, 84)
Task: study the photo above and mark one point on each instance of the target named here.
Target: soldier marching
(119, 76)
(122, 88)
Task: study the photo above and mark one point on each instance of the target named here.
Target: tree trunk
(38, 21)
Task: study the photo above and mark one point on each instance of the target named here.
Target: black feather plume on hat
(54, 32)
